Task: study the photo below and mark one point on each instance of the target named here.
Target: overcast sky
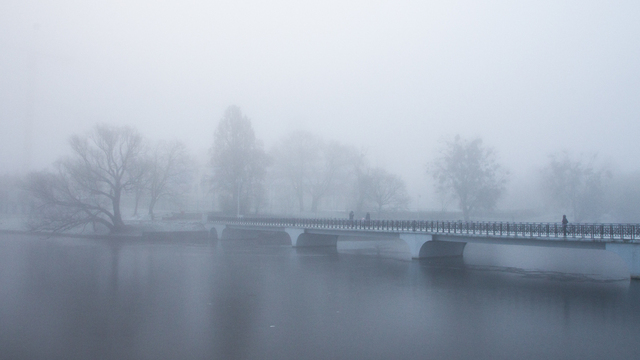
(390, 77)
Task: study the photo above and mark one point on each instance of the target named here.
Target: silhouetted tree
(469, 170)
(575, 186)
(239, 163)
(169, 172)
(87, 186)
(314, 169)
(330, 172)
(386, 191)
(293, 157)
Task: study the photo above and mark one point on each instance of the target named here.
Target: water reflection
(74, 299)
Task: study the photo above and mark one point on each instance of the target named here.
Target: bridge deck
(481, 232)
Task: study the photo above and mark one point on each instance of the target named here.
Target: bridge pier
(630, 254)
(216, 231)
(423, 246)
(294, 234)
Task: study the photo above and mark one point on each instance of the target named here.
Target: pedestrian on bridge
(564, 225)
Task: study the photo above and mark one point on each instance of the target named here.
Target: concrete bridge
(445, 238)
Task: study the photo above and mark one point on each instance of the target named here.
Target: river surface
(64, 298)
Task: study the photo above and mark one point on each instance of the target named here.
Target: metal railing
(592, 232)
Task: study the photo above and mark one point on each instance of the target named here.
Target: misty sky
(390, 77)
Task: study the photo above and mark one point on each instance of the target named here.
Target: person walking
(564, 225)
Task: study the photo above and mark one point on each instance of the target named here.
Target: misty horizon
(391, 79)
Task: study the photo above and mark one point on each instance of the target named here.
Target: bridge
(448, 238)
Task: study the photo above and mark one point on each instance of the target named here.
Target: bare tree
(169, 173)
(293, 158)
(575, 185)
(239, 163)
(470, 171)
(331, 172)
(87, 186)
(386, 191)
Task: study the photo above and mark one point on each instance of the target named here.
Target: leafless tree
(87, 187)
(293, 158)
(576, 185)
(314, 169)
(469, 170)
(169, 174)
(386, 191)
(239, 163)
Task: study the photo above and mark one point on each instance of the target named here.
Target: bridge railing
(593, 232)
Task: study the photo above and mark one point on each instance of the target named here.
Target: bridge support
(216, 231)
(630, 253)
(294, 234)
(423, 246)
(301, 238)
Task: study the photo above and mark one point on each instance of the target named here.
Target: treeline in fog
(115, 173)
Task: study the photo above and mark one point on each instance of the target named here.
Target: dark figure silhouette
(564, 225)
(351, 215)
(367, 219)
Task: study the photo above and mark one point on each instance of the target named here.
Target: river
(63, 298)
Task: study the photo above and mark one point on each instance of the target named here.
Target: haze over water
(75, 299)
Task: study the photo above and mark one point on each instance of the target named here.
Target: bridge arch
(216, 231)
(423, 246)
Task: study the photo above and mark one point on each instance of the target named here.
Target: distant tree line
(301, 175)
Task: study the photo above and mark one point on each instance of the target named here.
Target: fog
(391, 78)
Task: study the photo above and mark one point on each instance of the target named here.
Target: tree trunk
(118, 224)
(152, 204)
(137, 200)
(314, 204)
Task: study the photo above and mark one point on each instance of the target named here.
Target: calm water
(75, 299)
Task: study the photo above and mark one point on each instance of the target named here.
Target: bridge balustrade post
(611, 232)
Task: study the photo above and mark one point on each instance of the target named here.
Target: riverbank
(137, 231)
